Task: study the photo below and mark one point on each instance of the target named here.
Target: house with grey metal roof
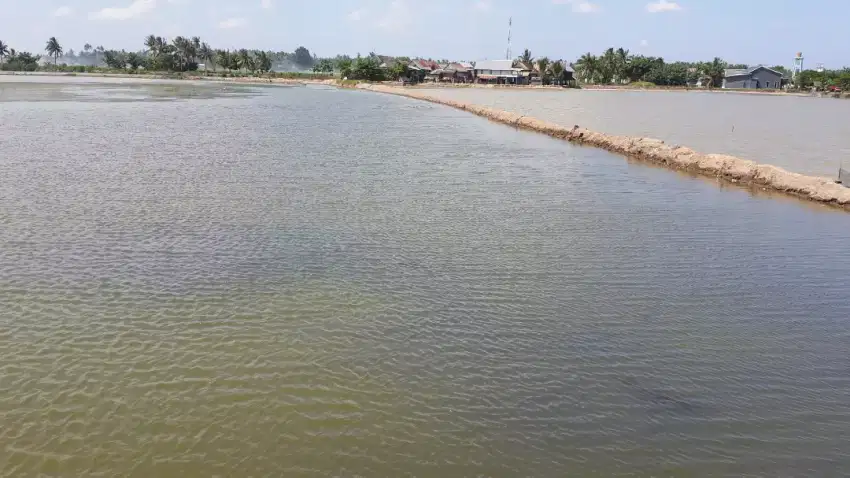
(499, 71)
(751, 78)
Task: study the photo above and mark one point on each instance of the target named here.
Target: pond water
(801, 134)
(306, 282)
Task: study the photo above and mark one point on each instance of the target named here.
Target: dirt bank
(731, 168)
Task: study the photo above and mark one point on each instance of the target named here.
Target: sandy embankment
(731, 168)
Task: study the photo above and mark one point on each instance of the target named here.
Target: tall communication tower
(510, 25)
(798, 64)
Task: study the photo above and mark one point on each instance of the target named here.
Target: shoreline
(422, 86)
(725, 167)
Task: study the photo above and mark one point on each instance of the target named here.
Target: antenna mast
(510, 24)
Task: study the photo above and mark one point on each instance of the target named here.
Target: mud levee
(731, 168)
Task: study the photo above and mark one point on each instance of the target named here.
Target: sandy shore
(730, 168)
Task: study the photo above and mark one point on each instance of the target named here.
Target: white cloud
(644, 43)
(483, 5)
(266, 4)
(236, 22)
(63, 11)
(396, 18)
(662, 6)
(356, 15)
(135, 9)
(579, 6)
(585, 7)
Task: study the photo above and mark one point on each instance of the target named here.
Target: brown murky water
(302, 282)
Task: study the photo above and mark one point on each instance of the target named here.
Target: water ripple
(302, 282)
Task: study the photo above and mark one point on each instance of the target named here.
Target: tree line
(551, 72)
(826, 79)
(619, 66)
(181, 54)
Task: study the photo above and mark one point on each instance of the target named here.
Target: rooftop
(746, 71)
(494, 65)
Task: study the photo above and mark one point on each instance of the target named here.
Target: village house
(754, 77)
(419, 69)
(452, 73)
(501, 72)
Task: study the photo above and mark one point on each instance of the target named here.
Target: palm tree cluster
(13, 60)
(611, 66)
(179, 54)
(551, 72)
(185, 54)
(619, 66)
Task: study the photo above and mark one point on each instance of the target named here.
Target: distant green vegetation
(183, 56)
(619, 66)
(826, 79)
(180, 55)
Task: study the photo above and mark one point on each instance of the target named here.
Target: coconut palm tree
(180, 46)
(715, 70)
(543, 67)
(4, 50)
(607, 66)
(588, 67)
(222, 57)
(196, 44)
(54, 49)
(186, 51)
(557, 70)
(245, 59)
(151, 43)
(264, 62)
(621, 59)
(206, 54)
(526, 58)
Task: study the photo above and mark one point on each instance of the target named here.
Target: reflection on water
(304, 282)
(112, 90)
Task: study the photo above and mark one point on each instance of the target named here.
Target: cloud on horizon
(356, 15)
(483, 5)
(231, 23)
(63, 11)
(397, 17)
(662, 6)
(580, 6)
(135, 9)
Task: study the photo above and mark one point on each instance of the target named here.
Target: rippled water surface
(801, 134)
(303, 282)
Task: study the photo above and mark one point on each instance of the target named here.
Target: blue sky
(755, 31)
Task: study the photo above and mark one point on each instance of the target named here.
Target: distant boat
(844, 177)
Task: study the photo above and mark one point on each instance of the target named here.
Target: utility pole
(510, 25)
